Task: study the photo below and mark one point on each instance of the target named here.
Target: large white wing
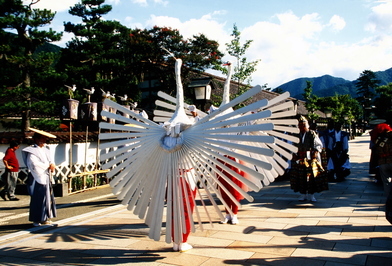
(285, 125)
(148, 178)
(284, 134)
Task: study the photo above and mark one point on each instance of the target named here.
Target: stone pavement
(346, 226)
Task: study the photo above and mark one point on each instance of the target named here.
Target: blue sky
(293, 38)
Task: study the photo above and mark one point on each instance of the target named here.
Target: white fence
(85, 160)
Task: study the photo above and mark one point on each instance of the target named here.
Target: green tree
(20, 53)
(97, 54)
(149, 63)
(311, 101)
(344, 108)
(243, 70)
(383, 101)
(366, 85)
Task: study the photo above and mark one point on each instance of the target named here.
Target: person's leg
(12, 180)
(4, 192)
(190, 194)
(234, 218)
(228, 201)
(37, 212)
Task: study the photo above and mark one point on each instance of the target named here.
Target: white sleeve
(318, 144)
(37, 168)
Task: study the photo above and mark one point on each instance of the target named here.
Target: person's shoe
(2, 195)
(312, 198)
(176, 247)
(302, 198)
(234, 219)
(185, 247)
(226, 220)
(36, 224)
(13, 198)
(47, 222)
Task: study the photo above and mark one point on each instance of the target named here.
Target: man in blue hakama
(39, 161)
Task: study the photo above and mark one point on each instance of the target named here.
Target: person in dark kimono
(326, 153)
(339, 163)
(307, 175)
(38, 160)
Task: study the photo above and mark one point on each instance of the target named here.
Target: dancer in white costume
(176, 148)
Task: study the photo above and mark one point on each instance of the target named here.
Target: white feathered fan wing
(153, 166)
(147, 177)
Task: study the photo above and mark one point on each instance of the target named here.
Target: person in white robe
(38, 160)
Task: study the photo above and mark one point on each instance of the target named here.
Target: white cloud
(57, 6)
(144, 3)
(206, 25)
(161, 2)
(380, 20)
(290, 48)
(66, 38)
(293, 48)
(140, 2)
(114, 2)
(129, 22)
(337, 23)
(284, 47)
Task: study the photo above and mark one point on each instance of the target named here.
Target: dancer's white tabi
(147, 160)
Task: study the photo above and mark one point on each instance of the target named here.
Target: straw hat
(43, 133)
(192, 108)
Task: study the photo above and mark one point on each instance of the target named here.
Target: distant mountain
(327, 85)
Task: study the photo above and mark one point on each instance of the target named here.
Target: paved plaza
(346, 226)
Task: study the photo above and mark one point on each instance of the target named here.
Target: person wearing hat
(307, 174)
(382, 150)
(40, 164)
(11, 164)
(194, 113)
(378, 129)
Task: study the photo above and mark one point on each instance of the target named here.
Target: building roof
(61, 137)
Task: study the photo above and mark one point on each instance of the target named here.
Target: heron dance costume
(158, 192)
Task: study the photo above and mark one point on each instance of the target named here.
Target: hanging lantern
(69, 109)
(88, 111)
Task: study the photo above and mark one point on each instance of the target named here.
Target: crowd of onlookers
(323, 156)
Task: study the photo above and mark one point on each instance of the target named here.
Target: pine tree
(20, 53)
(97, 55)
(366, 85)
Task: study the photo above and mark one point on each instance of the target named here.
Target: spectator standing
(338, 148)
(383, 151)
(307, 175)
(38, 160)
(11, 164)
(374, 133)
(326, 153)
